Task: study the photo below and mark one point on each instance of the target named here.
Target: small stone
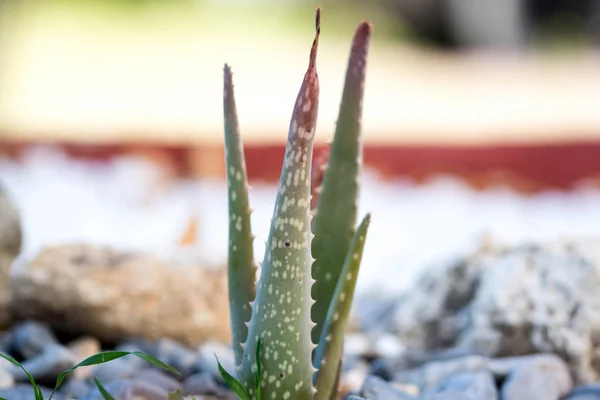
(375, 388)
(432, 374)
(388, 345)
(584, 392)
(158, 378)
(25, 392)
(467, 386)
(541, 377)
(29, 338)
(46, 366)
(118, 369)
(206, 358)
(129, 389)
(76, 388)
(388, 367)
(354, 373)
(356, 345)
(204, 383)
(7, 380)
(177, 355)
(83, 348)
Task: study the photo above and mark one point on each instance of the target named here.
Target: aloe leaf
(233, 383)
(241, 264)
(281, 313)
(329, 351)
(103, 391)
(36, 390)
(335, 219)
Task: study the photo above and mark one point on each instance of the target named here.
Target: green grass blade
(329, 351)
(103, 391)
(36, 389)
(108, 356)
(335, 218)
(241, 263)
(233, 383)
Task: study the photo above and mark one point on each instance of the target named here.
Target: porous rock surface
(115, 295)
(11, 237)
(512, 301)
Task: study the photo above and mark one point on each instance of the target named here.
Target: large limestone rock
(11, 238)
(507, 302)
(114, 295)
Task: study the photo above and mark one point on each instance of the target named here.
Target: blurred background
(481, 120)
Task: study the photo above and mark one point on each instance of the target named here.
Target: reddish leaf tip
(315, 45)
(363, 32)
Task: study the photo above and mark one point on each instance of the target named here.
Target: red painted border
(528, 168)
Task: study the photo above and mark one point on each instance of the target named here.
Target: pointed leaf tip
(315, 45)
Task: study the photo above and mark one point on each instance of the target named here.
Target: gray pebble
(75, 388)
(204, 383)
(206, 358)
(388, 367)
(585, 392)
(432, 374)
(540, 377)
(46, 366)
(25, 392)
(158, 378)
(121, 368)
(30, 338)
(375, 388)
(128, 390)
(178, 356)
(7, 380)
(467, 386)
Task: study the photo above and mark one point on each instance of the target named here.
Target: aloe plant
(288, 328)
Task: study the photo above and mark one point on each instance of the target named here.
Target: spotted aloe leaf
(281, 312)
(329, 352)
(241, 263)
(335, 217)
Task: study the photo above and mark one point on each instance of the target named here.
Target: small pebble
(356, 345)
(375, 388)
(7, 380)
(30, 338)
(83, 348)
(584, 392)
(432, 374)
(178, 356)
(388, 345)
(204, 383)
(25, 392)
(206, 358)
(118, 369)
(46, 366)
(467, 386)
(158, 378)
(541, 377)
(129, 389)
(75, 388)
